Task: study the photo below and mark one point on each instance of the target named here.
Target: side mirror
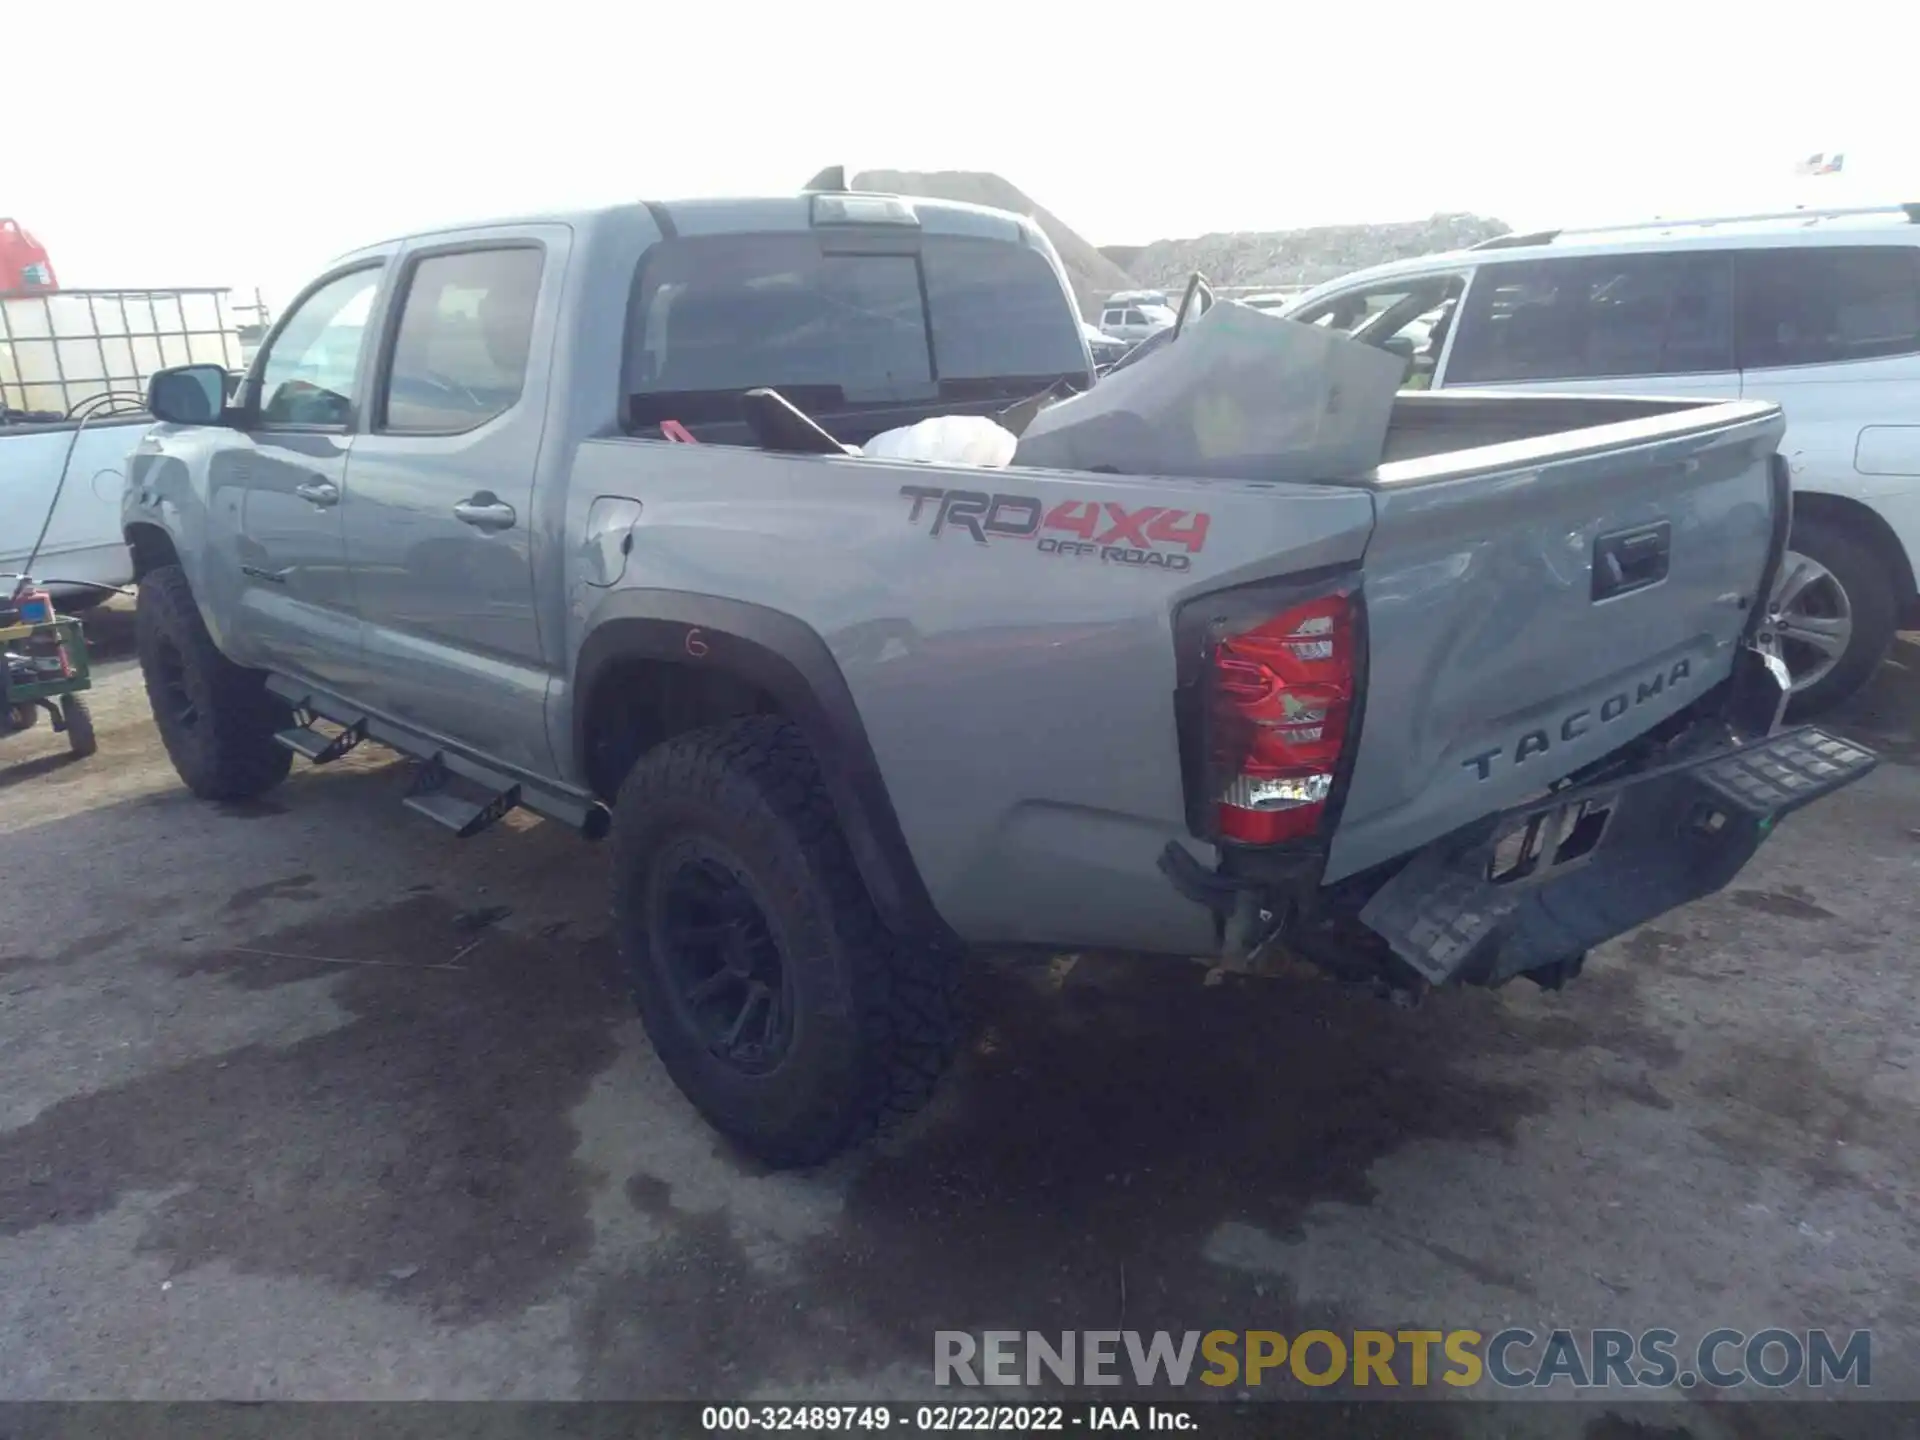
(188, 394)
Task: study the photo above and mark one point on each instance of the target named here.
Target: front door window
(310, 375)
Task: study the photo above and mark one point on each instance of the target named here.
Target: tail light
(1280, 697)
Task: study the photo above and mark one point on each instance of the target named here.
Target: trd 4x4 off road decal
(1104, 530)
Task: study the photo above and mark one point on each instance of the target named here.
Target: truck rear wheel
(778, 1000)
(215, 717)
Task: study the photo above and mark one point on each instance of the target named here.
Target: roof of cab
(753, 215)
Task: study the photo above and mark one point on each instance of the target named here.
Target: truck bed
(83, 542)
(973, 622)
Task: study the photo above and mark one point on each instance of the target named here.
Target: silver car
(1134, 323)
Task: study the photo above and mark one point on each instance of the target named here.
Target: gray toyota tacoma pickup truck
(514, 500)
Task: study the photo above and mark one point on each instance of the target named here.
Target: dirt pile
(1304, 257)
(1094, 276)
(1276, 257)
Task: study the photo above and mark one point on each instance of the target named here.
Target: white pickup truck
(83, 548)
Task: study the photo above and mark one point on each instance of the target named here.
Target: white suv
(1135, 321)
(1817, 309)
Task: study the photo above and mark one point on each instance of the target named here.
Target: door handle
(485, 511)
(318, 492)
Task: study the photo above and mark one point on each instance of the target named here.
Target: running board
(319, 748)
(492, 791)
(466, 818)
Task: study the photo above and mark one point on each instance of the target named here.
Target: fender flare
(785, 658)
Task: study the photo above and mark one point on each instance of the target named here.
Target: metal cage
(59, 348)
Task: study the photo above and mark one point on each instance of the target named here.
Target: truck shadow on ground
(1099, 1142)
(1103, 1125)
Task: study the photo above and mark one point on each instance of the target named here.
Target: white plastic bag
(947, 440)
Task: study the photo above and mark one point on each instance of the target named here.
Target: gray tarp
(1241, 394)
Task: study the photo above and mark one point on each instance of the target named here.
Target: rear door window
(460, 353)
(716, 315)
(1595, 316)
(1807, 306)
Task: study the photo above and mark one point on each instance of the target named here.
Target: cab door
(441, 532)
(279, 479)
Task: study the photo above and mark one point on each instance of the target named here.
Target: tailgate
(1533, 606)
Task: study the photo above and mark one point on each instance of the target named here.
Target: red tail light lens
(1281, 696)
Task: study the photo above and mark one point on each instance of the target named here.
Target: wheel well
(1869, 525)
(660, 663)
(640, 702)
(152, 548)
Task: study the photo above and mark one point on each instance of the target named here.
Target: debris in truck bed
(1239, 394)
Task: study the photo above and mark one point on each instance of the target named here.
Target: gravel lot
(278, 1120)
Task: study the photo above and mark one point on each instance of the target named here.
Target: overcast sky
(143, 150)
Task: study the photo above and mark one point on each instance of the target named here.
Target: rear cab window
(960, 317)
(1593, 316)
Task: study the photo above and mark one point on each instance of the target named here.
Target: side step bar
(319, 748)
(441, 773)
(463, 817)
(433, 798)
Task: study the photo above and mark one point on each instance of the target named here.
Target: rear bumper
(1586, 865)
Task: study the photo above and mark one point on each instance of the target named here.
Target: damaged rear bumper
(1544, 883)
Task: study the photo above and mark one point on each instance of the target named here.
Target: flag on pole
(1821, 164)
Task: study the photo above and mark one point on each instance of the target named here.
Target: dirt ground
(304, 1099)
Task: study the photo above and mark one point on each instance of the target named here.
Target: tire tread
(904, 991)
(234, 756)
